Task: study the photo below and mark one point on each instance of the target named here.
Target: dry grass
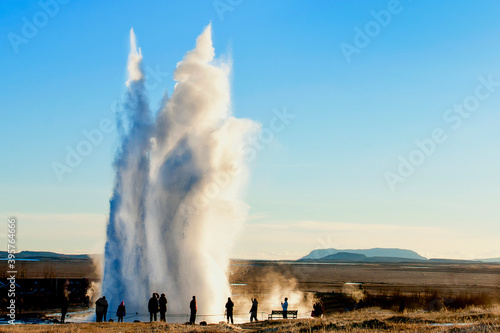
(473, 319)
(115, 328)
(385, 286)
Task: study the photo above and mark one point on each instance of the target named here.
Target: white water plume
(176, 207)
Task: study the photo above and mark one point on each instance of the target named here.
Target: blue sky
(322, 181)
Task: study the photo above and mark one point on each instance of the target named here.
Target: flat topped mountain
(375, 252)
(345, 256)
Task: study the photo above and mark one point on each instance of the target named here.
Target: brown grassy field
(54, 269)
(420, 284)
(366, 320)
(381, 277)
(450, 285)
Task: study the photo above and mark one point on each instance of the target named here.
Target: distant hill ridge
(43, 255)
(493, 260)
(380, 255)
(358, 255)
(375, 252)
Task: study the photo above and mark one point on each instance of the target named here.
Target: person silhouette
(101, 308)
(153, 307)
(229, 310)
(284, 305)
(105, 305)
(253, 310)
(64, 308)
(121, 311)
(318, 309)
(193, 307)
(162, 302)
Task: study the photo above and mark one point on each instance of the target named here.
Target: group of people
(101, 310)
(230, 307)
(194, 308)
(157, 304)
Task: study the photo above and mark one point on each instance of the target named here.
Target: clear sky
(365, 80)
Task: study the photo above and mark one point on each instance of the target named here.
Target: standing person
(318, 309)
(99, 309)
(229, 310)
(193, 306)
(105, 310)
(284, 305)
(121, 312)
(153, 307)
(163, 307)
(402, 306)
(64, 308)
(253, 310)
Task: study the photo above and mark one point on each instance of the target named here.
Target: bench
(279, 313)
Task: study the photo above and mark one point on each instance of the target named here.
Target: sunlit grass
(472, 319)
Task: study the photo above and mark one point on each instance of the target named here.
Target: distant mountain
(40, 255)
(343, 256)
(375, 252)
(391, 259)
(492, 260)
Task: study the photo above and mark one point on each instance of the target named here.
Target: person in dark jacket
(193, 307)
(101, 307)
(253, 310)
(105, 304)
(229, 310)
(162, 302)
(121, 312)
(153, 307)
(64, 308)
(98, 311)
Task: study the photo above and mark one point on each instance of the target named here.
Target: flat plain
(358, 297)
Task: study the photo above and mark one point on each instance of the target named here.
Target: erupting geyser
(176, 206)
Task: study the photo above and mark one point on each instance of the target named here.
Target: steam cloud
(176, 207)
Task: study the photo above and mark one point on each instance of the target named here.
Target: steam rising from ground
(270, 286)
(285, 286)
(176, 206)
(354, 291)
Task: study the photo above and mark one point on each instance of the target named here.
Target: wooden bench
(279, 313)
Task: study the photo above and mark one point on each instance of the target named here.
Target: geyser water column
(125, 270)
(176, 208)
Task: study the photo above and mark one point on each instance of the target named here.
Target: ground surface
(254, 275)
(271, 281)
(366, 320)
(379, 277)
